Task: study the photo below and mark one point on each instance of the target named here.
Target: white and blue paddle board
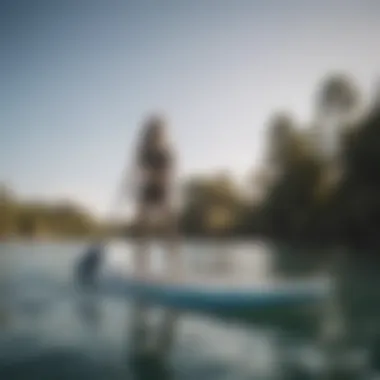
(209, 295)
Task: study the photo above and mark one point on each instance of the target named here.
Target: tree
(8, 211)
(288, 208)
(338, 97)
(336, 104)
(212, 205)
(281, 131)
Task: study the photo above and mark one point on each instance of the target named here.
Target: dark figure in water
(152, 179)
(89, 264)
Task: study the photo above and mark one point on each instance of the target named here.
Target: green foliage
(28, 219)
(304, 200)
(213, 206)
(304, 203)
(338, 96)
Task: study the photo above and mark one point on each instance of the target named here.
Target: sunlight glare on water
(242, 263)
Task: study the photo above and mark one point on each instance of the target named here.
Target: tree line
(319, 183)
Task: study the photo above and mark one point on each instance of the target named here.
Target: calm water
(47, 332)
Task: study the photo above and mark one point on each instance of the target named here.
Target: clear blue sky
(78, 76)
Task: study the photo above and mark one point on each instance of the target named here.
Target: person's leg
(166, 333)
(139, 315)
(171, 238)
(139, 326)
(141, 258)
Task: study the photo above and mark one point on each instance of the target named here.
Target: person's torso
(155, 163)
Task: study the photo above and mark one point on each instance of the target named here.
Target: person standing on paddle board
(154, 165)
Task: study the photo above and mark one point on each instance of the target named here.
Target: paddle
(90, 261)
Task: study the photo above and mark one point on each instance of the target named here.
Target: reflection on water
(149, 367)
(50, 331)
(89, 311)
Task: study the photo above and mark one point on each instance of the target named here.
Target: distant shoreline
(64, 240)
(192, 239)
(306, 245)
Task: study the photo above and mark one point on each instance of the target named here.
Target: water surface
(47, 332)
